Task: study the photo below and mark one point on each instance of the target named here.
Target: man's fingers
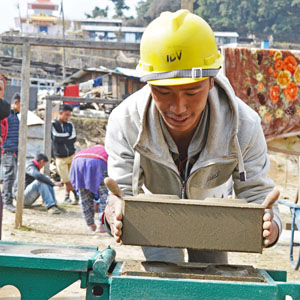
(118, 224)
(266, 233)
(113, 187)
(267, 225)
(118, 232)
(268, 217)
(271, 198)
(267, 242)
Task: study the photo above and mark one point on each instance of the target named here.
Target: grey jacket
(235, 147)
(33, 173)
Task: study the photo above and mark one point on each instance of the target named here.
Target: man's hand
(270, 228)
(113, 210)
(2, 89)
(58, 183)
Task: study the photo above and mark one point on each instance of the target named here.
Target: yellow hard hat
(178, 48)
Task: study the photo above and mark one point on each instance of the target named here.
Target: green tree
(148, 10)
(120, 5)
(98, 12)
(279, 18)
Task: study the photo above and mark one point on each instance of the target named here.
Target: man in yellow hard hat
(186, 133)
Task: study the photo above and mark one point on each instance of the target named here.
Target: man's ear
(211, 82)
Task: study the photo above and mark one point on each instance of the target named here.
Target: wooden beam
(23, 132)
(84, 44)
(83, 100)
(47, 136)
(187, 4)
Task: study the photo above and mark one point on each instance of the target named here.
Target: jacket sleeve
(4, 109)
(72, 136)
(119, 147)
(33, 172)
(257, 185)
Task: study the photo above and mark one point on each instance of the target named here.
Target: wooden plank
(187, 4)
(84, 100)
(83, 44)
(212, 224)
(47, 136)
(23, 133)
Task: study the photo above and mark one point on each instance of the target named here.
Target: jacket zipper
(184, 182)
(67, 150)
(183, 189)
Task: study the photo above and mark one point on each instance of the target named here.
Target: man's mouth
(178, 120)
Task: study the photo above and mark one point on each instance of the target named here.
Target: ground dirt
(69, 228)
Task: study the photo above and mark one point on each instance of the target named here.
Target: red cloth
(97, 151)
(71, 91)
(4, 130)
(37, 164)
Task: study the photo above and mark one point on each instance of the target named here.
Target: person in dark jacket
(37, 184)
(4, 113)
(10, 154)
(63, 136)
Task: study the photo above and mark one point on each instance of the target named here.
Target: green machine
(42, 271)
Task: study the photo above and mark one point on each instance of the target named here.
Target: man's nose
(178, 105)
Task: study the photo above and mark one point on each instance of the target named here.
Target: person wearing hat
(186, 133)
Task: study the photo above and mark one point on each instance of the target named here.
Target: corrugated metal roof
(226, 34)
(112, 28)
(128, 72)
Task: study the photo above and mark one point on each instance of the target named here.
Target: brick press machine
(41, 271)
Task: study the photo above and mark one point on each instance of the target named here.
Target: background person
(63, 137)
(37, 184)
(4, 113)
(88, 170)
(10, 154)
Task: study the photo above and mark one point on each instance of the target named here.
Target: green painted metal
(164, 289)
(40, 278)
(41, 271)
(36, 283)
(98, 286)
(150, 288)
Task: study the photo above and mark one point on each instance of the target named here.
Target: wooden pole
(187, 4)
(47, 136)
(23, 132)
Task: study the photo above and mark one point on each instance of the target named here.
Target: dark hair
(65, 107)
(16, 96)
(41, 156)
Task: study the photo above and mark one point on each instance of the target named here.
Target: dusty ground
(69, 228)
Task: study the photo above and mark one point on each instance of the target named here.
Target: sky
(74, 9)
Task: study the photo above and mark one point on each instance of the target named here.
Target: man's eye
(164, 92)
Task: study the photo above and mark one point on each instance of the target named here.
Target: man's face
(42, 163)
(181, 106)
(17, 105)
(2, 89)
(64, 116)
